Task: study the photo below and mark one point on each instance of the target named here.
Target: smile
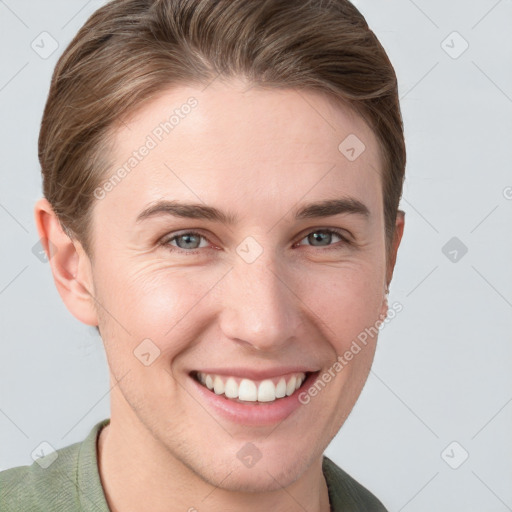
(248, 390)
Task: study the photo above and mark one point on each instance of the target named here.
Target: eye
(190, 241)
(186, 242)
(324, 237)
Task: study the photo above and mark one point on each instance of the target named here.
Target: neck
(138, 473)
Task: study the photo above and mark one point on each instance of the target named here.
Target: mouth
(252, 392)
(252, 398)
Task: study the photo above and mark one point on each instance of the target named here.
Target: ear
(397, 238)
(71, 267)
(391, 257)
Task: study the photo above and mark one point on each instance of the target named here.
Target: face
(246, 293)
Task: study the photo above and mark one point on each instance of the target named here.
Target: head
(280, 122)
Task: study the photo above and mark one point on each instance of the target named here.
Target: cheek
(156, 303)
(346, 301)
(171, 305)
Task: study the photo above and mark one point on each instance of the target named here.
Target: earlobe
(69, 263)
(385, 306)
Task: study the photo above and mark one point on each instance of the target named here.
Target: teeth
(218, 386)
(266, 391)
(281, 389)
(248, 390)
(290, 387)
(231, 389)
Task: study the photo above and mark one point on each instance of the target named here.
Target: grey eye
(187, 241)
(322, 237)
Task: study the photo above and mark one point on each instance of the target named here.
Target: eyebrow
(326, 208)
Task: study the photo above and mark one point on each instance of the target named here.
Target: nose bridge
(258, 307)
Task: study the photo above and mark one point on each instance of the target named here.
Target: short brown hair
(130, 50)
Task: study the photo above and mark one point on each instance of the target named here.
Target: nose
(259, 306)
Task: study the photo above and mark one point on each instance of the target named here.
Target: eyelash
(166, 241)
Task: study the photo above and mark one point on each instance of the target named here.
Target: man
(231, 227)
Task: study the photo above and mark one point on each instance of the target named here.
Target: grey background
(442, 367)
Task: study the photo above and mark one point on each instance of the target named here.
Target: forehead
(247, 145)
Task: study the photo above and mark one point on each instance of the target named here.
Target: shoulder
(40, 485)
(346, 493)
(53, 483)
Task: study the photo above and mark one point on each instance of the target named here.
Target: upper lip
(253, 374)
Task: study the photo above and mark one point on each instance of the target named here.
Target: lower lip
(253, 413)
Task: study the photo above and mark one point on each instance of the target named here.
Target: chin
(280, 469)
(260, 479)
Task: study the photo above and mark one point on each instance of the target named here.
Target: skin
(259, 154)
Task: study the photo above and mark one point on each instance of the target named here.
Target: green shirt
(71, 483)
